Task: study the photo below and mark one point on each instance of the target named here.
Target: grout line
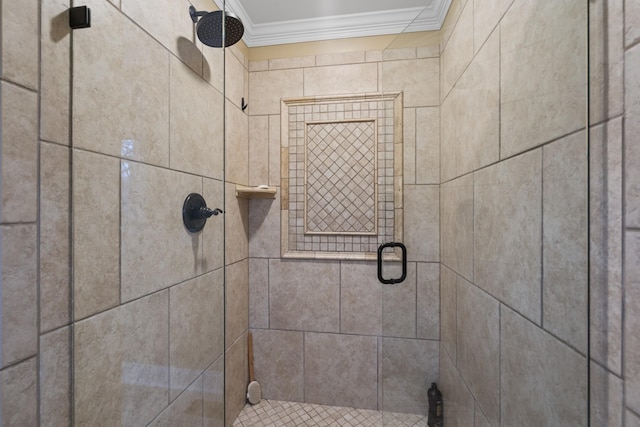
(542, 216)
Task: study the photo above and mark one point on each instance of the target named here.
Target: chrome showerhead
(209, 27)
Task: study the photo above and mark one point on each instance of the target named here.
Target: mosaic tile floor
(275, 413)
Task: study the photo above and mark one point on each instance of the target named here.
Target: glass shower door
(148, 294)
(495, 200)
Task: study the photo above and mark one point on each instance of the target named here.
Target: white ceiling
(271, 22)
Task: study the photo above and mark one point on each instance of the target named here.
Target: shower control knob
(205, 212)
(195, 212)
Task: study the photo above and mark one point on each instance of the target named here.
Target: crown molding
(392, 21)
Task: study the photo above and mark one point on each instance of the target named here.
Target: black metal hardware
(195, 212)
(404, 263)
(244, 105)
(79, 17)
(195, 14)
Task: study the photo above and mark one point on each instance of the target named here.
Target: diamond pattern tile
(341, 177)
(275, 413)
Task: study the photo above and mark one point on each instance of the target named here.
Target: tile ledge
(255, 192)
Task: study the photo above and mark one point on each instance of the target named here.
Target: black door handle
(404, 263)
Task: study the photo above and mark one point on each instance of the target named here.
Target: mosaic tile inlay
(341, 176)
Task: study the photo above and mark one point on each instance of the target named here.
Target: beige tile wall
(29, 80)
(514, 214)
(363, 344)
(615, 98)
(144, 302)
(19, 212)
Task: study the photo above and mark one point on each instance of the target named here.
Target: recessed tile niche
(341, 160)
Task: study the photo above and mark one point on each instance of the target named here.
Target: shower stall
(480, 155)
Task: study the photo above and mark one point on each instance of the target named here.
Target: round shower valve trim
(195, 212)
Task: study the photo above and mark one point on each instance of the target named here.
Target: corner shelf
(255, 192)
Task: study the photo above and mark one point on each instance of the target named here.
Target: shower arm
(195, 14)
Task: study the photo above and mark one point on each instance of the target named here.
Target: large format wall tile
(151, 216)
(19, 293)
(237, 79)
(19, 171)
(428, 301)
(213, 232)
(213, 59)
(459, 50)
(304, 296)
(478, 112)
(120, 102)
(213, 394)
(473, 142)
(54, 236)
(409, 132)
(456, 225)
(448, 137)
(448, 328)
(296, 62)
(19, 42)
(268, 87)
(486, 15)
(55, 74)
(341, 79)
(542, 73)
(399, 304)
(417, 79)
(196, 124)
(274, 150)
(534, 363)
(55, 379)
(507, 239)
(449, 24)
(186, 410)
(408, 369)
(340, 58)
(237, 300)
(421, 222)
(235, 379)
(258, 293)
(631, 419)
(606, 397)
(565, 245)
(361, 299)
(341, 370)
(264, 228)
(459, 406)
(632, 22)
(168, 21)
(606, 60)
(279, 364)
(427, 156)
(259, 150)
(121, 360)
(196, 324)
(631, 361)
(632, 137)
(96, 233)
(236, 222)
(479, 346)
(237, 145)
(605, 293)
(19, 390)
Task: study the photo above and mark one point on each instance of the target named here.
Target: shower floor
(276, 413)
